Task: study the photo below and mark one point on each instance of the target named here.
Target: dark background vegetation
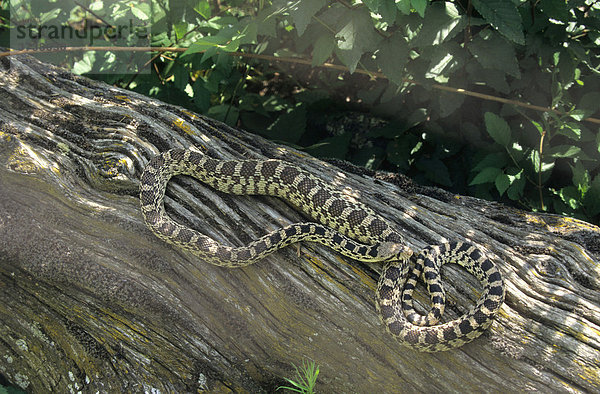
(385, 110)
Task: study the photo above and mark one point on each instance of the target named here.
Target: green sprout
(306, 378)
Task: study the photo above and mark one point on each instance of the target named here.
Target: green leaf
(497, 159)
(556, 9)
(85, 64)
(589, 103)
(581, 178)
(202, 7)
(571, 130)
(517, 185)
(538, 126)
(577, 114)
(534, 158)
(208, 54)
(439, 66)
(488, 174)
(322, 49)
(443, 22)
(387, 10)
(180, 29)
(566, 66)
(204, 43)
(356, 37)
(46, 17)
(494, 52)
(504, 16)
(352, 35)
(419, 6)
(248, 35)
(443, 59)
(570, 196)
(564, 151)
(516, 151)
(403, 6)
(373, 5)
(304, 12)
(267, 22)
(502, 183)
(141, 11)
(181, 76)
(541, 167)
(497, 128)
(392, 57)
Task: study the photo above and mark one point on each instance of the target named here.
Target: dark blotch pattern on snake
(345, 225)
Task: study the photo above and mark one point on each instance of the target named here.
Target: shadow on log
(90, 300)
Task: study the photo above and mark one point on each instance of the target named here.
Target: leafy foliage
(306, 378)
(541, 52)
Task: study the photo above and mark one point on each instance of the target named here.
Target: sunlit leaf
(571, 130)
(581, 177)
(570, 196)
(565, 151)
(443, 22)
(517, 184)
(356, 37)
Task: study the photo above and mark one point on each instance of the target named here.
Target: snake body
(343, 224)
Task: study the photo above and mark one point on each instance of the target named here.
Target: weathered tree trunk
(90, 300)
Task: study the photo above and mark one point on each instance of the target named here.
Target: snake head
(394, 251)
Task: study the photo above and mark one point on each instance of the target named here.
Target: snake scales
(346, 225)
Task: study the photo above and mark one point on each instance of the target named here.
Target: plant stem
(540, 170)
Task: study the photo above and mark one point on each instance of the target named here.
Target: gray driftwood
(91, 301)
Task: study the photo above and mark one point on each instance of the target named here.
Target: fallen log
(91, 300)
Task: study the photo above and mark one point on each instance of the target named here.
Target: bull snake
(346, 225)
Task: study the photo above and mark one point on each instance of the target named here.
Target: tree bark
(91, 300)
